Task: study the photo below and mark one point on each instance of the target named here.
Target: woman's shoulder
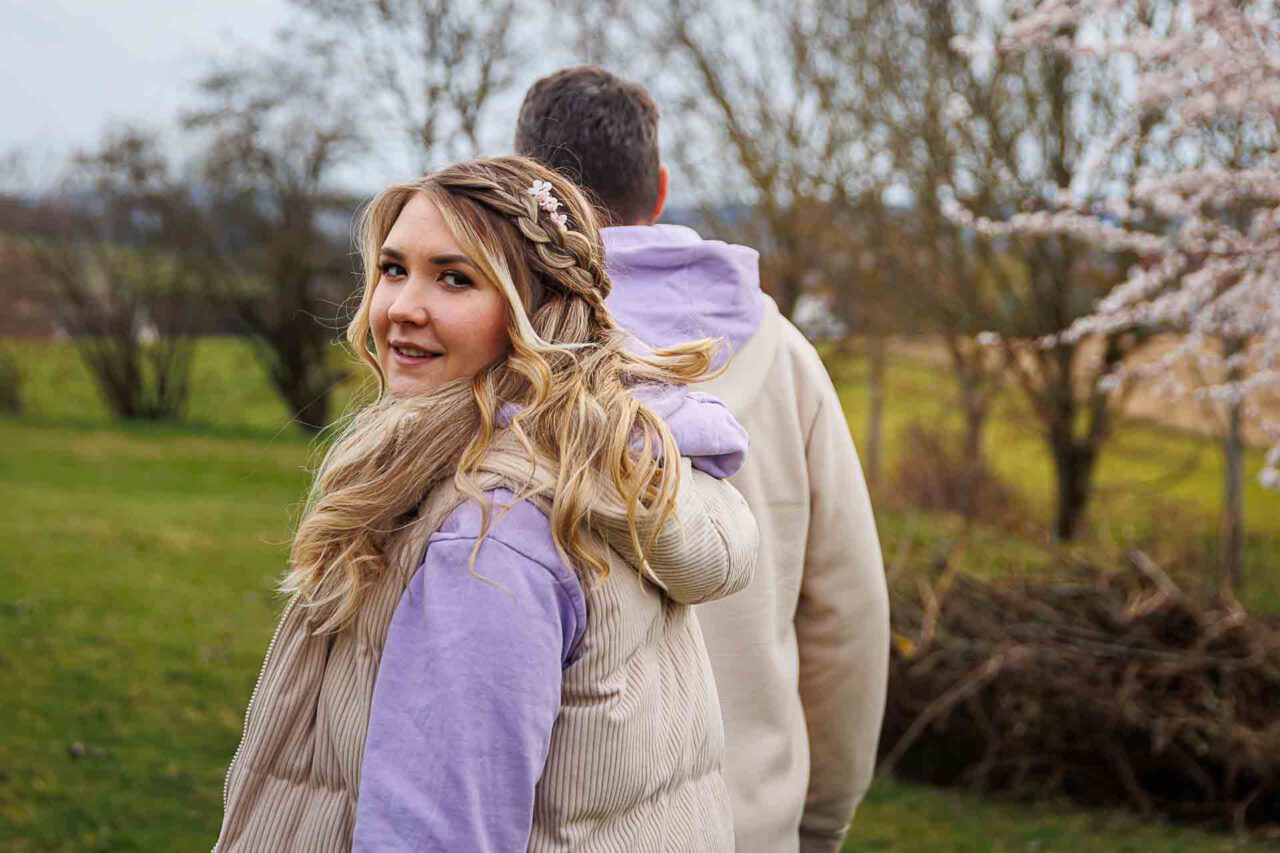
(517, 526)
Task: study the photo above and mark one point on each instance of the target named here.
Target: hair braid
(560, 250)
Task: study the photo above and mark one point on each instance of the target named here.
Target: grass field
(1157, 488)
(136, 567)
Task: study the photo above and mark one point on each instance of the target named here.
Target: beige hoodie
(800, 657)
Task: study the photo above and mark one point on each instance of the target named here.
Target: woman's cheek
(378, 323)
(498, 338)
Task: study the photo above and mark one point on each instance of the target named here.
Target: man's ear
(663, 177)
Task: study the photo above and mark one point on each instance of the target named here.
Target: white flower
(541, 191)
(1269, 478)
(560, 219)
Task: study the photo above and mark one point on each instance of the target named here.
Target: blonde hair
(568, 372)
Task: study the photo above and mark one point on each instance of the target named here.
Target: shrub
(934, 473)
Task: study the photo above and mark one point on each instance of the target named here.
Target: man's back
(801, 656)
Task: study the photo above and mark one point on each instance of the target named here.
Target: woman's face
(434, 316)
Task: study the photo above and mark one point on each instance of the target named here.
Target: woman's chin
(401, 385)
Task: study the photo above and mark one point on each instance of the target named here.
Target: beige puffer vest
(635, 753)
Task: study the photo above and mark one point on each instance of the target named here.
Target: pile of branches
(1102, 686)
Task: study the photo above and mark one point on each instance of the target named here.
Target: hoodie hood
(671, 286)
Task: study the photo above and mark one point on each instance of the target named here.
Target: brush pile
(1103, 686)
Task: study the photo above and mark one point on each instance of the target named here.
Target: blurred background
(1075, 497)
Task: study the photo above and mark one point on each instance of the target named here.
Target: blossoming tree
(1203, 217)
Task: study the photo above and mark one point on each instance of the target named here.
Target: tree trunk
(786, 293)
(1233, 501)
(877, 359)
(975, 421)
(1073, 466)
(974, 405)
(308, 404)
(1233, 492)
(113, 363)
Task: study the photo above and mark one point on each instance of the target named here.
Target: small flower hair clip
(541, 191)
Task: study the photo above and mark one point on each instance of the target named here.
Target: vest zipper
(226, 782)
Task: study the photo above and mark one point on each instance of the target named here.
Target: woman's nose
(410, 305)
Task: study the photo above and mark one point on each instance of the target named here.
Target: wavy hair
(568, 376)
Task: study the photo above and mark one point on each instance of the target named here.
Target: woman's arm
(468, 690)
(708, 551)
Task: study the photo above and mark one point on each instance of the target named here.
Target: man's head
(601, 132)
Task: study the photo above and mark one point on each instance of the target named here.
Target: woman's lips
(405, 360)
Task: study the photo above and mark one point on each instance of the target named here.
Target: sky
(70, 68)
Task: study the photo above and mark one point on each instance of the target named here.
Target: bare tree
(276, 130)
(768, 121)
(429, 68)
(118, 259)
(1036, 126)
(869, 269)
(789, 121)
(914, 80)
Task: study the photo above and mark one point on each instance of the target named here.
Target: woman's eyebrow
(445, 260)
(439, 260)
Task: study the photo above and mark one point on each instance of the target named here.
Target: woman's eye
(455, 280)
(391, 270)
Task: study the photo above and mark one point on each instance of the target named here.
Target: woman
(538, 679)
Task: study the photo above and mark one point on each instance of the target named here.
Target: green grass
(136, 570)
(908, 818)
(137, 562)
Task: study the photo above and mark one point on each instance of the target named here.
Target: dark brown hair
(601, 132)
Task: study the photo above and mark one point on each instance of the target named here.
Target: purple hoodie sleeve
(468, 689)
(703, 428)
(701, 425)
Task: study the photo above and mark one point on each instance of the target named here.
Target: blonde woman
(490, 644)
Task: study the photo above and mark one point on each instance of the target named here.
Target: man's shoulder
(798, 349)
(796, 365)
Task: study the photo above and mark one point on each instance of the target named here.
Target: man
(801, 656)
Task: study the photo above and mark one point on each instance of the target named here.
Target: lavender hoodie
(655, 267)
(468, 688)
